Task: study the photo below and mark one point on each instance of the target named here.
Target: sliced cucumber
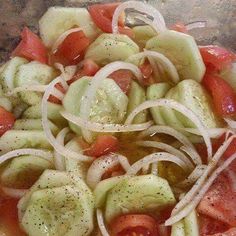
(57, 20)
(182, 50)
(157, 91)
(33, 73)
(103, 188)
(15, 139)
(136, 97)
(109, 47)
(142, 34)
(6, 103)
(23, 171)
(191, 224)
(33, 124)
(229, 75)
(10, 69)
(138, 194)
(109, 106)
(177, 229)
(34, 112)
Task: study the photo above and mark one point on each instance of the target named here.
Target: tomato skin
(216, 58)
(71, 51)
(224, 97)
(123, 78)
(113, 171)
(147, 72)
(128, 225)
(180, 27)
(103, 145)
(7, 120)
(230, 232)
(31, 47)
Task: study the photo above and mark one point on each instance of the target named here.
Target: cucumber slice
(142, 34)
(177, 229)
(34, 112)
(109, 47)
(23, 171)
(192, 95)
(10, 69)
(57, 20)
(33, 73)
(109, 106)
(229, 75)
(103, 188)
(15, 139)
(73, 166)
(157, 91)
(33, 124)
(136, 97)
(138, 194)
(191, 224)
(182, 50)
(5, 103)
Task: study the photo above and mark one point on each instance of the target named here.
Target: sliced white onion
(192, 153)
(145, 169)
(101, 224)
(167, 148)
(191, 206)
(199, 183)
(156, 157)
(155, 168)
(94, 85)
(58, 94)
(47, 155)
(14, 193)
(101, 165)
(193, 177)
(67, 72)
(176, 134)
(46, 127)
(58, 158)
(33, 88)
(158, 20)
(231, 123)
(196, 25)
(63, 36)
(98, 127)
(180, 108)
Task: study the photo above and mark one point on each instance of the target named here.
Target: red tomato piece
(102, 16)
(89, 68)
(31, 47)
(180, 27)
(54, 99)
(113, 171)
(123, 78)
(230, 232)
(71, 51)
(220, 201)
(216, 58)
(103, 145)
(134, 224)
(147, 71)
(224, 97)
(7, 120)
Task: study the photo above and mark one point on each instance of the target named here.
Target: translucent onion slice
(98, 127)
(14, 193)
(58, 158)
(167, 148)
(231, 123)
(191, 153)
(158, 20)
(193, 177)
(156, 157)
(180, 108)
(155, 168)
(196, 25)
(47, 155)
(199, 183)
(94, 85)
(101, 165)
(101, 223)
(57, 146)
(67, 72)
(161, 59)
(63, 36)
(192, 205)
(176, 134)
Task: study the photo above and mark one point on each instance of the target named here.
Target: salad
(109, 128)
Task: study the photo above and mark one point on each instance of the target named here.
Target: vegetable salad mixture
(113, 130)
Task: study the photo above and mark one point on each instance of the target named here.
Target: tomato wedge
(113, 171)
(180, 27)
(89, 68)
(71, 51)
(123, 78)
(54, 99)
(31, 47)
(224, 97)
(7, 120)
(103, 145)
(216, 58)
(102, 16)
(147, 72)
(134, 224)
(230, 232)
